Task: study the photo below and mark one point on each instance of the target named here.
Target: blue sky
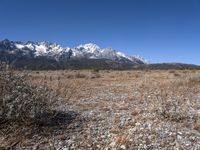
(158, 30)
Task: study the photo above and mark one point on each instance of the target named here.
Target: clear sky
(158, 30)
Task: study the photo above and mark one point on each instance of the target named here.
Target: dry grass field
(111, 110)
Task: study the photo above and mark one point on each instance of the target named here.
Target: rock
(123, 147)
(113, 144)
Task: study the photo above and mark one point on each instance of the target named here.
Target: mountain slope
(166, 66)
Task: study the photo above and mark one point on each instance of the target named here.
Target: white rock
(123, 147)
(112, 144)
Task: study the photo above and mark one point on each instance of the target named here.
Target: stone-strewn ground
(110, 110)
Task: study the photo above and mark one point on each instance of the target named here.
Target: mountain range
(47, 55)
(52, 54)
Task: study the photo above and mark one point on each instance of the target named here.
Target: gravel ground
(125, 110)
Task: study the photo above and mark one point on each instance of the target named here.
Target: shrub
(95, 70)
(20, 100)
(172, 71)
(95, 75)
(177, 75)
(195, 79)
(79, 75)
(177, 109)
(70, 76)
(173, 111)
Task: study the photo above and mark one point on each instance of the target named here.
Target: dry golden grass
(128, 109)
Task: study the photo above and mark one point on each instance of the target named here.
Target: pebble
(123, 147)
(112, 144)
(179, 137)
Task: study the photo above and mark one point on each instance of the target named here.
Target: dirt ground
(110, 110)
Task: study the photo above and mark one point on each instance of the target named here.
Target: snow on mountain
(93, 51)
(90, 48)
(55, 51)
(19, 46)
(30, 46)
(142, 59)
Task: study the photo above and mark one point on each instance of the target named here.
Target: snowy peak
(89, 47)
(93, 51)
(57, 52)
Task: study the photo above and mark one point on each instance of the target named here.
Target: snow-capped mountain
(93, 51)
(58, 53)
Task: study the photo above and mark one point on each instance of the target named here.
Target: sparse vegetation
(95, 70)
(195, 79)
(20, 100)
(120, 110)
(79, 75)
